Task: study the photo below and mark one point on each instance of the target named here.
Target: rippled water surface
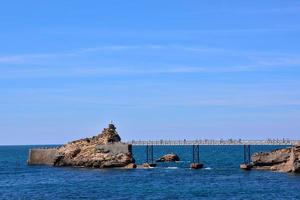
(220, 179)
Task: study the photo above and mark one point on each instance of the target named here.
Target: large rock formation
(283, 160)
(169, 158)
(109, 135)
(100, 151)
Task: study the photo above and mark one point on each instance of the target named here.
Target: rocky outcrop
(282, 160)
(169, 158)
(86, 152)
(109, 135)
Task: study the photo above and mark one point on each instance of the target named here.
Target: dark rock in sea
(169, 158)
(102, 151)
(246, 166)
(282, 160)
(196, 165)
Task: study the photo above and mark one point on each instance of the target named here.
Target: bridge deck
(215, 142)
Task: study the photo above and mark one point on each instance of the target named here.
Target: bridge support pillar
(196, 158)
(149, 157)
(247, 158)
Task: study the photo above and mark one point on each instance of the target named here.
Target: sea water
(220, 178)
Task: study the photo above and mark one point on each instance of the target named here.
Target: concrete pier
(42, 156)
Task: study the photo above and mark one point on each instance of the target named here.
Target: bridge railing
(215, 142)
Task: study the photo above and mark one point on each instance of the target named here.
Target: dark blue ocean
(220, 178)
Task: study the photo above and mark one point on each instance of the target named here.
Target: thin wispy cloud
(150, 47)
(36, 57)
(279, 61)
(28, 65)
(165, 48)
(48, 72)
(92, 71)
(67, 96)
(249, 10)
(279, 10)
(31, 58)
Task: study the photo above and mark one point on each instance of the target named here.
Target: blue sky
(159, 69)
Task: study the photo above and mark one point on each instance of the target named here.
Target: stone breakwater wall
(42, 156)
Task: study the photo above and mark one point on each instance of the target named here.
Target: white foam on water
(207, 168)
(172, 167)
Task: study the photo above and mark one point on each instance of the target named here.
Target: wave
(171, 167)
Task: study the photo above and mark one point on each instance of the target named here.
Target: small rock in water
(169, 158)
(149, 165)
(130, 166)
(246, 166)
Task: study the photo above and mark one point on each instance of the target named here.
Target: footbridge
(215, 142)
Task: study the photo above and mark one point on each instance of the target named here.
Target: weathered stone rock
(169, 158)
(283, 160)
(246, 166)
(86, 152)
(130, 166)
(109, 135)
(271, 158)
